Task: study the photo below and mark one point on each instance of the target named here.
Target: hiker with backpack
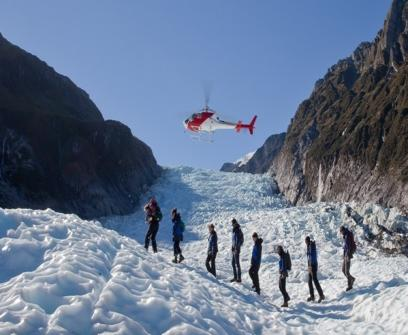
(285, 265)
(212, 250)
(153, 218)
(256, 262)
(178, 230)
(312, 265)
(349, 248)
(237, 241)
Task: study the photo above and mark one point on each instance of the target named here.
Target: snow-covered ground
(63, 275)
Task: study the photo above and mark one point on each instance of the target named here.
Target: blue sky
(144, 62)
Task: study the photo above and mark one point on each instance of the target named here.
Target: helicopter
(207, 121)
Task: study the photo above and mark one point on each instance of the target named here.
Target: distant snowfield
(243, 160)
(63, 275)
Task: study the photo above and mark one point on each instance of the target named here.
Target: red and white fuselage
(207, 121)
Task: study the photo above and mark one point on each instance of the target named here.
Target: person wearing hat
(178, 229)
(283, 274)
(153, 217)
(348, 250)
(212, 250)
(312, 265)
(237, 241)
(256, 262)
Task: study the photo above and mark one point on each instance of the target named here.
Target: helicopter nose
(185, 124)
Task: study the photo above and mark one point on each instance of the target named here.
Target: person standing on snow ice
(348, 250)
(212, 250)
(256, 262)
(283, 274)
(237, 241)
(178, 229)
(153, 218)
(312, 265)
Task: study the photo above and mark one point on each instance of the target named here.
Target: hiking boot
(349, 288)
(285, 304)
(233, 280)
(181, 258)
(239, 280)
(175, 259)
(321, 298)
(258, 291)
(310, 299)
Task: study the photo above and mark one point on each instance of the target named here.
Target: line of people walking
(154, 216)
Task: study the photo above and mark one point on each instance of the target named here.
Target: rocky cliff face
(349, 140)
(262, 159)
(57, 151)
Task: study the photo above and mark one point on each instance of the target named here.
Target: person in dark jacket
(283, 274)
(153, 217)
(212, 250)
(347, 256)
(178, 229)
(312, 266)
(256, 262)
(237, 241)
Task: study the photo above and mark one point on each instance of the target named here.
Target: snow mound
(63, 275)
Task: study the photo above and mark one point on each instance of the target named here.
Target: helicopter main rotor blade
(207, 88)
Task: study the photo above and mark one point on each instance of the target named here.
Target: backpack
(353, 245)
(287, 261)
(182, 226)
(240, 237)
(158, 214)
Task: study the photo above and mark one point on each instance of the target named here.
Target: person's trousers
(176, 248)
(313, 279)
(210, 264)
(346, 270)
(282, 287)
(151, 236)
(236, 266)
(253, 273)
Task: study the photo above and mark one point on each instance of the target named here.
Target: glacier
(63, 275)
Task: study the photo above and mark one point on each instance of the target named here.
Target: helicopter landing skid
(204, 138)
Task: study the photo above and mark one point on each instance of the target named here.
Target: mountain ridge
(351, 134)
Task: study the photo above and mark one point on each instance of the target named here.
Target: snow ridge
(63, 275)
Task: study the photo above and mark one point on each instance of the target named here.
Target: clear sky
(144, 62)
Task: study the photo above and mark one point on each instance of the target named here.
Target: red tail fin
(250, 126)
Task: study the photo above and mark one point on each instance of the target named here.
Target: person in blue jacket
(237, 241)
(256, 262)
(178, 229)
(283, 274)
(212, 250)
(347, 256)
(312, 266)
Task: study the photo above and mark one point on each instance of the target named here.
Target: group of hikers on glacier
(154, 216)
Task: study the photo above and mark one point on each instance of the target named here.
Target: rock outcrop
(262, 159)
(57, 151)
